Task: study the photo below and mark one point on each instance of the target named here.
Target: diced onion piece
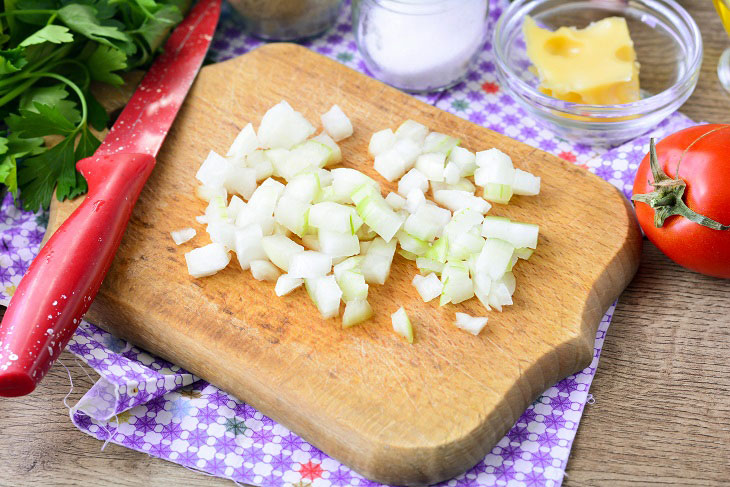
(223, 233)
(428, 266)
(459, 200)
(439, 250)
(463, 221)
(292, 214)
(402, 324)
(409, 149)
(249, 245)
(183, 235)
(432, 166)
(412, 244)
(356, 311)
(438, 142)
(497, 193)
(326, 295)
(263, 270)
(335, 217)
(457, 283)
(461, 185)
(346, 180)
(278, 159)
(495, 257)
(261, 164)
(429, 287)
(525, 183)
(214, 170)
(407, 255)
(336, 154)
(305, 157)
(338, 244)
(304, 187)
(261, 205)
(207, 260)
(377, 261)
(202, 219)
(280, 250)
(336, 123)
(235, 206)
(411, 180)
(310, 264)
(463, 245)
(381, 141)
(311, 241)
(376, 213)
(494, 166)
(207, 193)
(516, 233)
(500, 293)
(482, 286)
(414, 200)
(244, 144)
(413, 130)
(427, 222)
(452, 173)
(283, 127)
(351, 264)
(464, 159)
(353, 285)
(286, 284)
(523, 253)
(241, 180)
(395, 201)
(217, 210)
(472, 324)
(390, 164)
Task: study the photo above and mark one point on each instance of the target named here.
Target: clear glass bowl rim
(407, 6)
(520, 8)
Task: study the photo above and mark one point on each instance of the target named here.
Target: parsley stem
(81, 66)
(79, 93)
(29, 68)
(12, 94)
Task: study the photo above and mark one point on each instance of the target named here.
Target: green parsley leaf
(82, 19)
(96, 116)
(3, 145)
(87, 145)
(53, 96)
(9, 173)
(46, 120)
(37, 176)
(57, 34)
(12, 60)
(155, 29)
(104, 61)
(24, 147)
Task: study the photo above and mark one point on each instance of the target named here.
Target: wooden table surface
(661, 414)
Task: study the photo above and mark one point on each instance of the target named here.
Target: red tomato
(705, 168)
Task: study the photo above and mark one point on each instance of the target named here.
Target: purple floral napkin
(150, 405)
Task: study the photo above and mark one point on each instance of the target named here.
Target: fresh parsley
(50, 53)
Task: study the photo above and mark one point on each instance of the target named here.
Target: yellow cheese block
(596, 65)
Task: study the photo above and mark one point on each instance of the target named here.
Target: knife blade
(64, 278)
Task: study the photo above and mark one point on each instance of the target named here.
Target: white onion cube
(207, 260)
(263, 270)
(282, 127)
(309, 264)
(336, 123)
(380, 142)
(183, 235)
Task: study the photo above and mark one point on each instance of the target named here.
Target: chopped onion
(413, 179)
(286, 284)
(525, 183)
(494, 258)
(183, 235)
(282, 127)
(402, 324)
(518, 234)
(280, 250)
(353, 285)
(335, 217)
(244, 144)
(429, 287)
(457, 283)
(223, 233)
(336, 153)
(235, 206)
(413, 130)
(441, 143)
(207, 260)
(391, 164)
(249, 245)
(310, 264)
(395, 201)
(214, 170)
(427, 222)
(411, 244)
(326, 295)
(338, 244)
(292, 214)
(464, 159)
(356, 311)
(381, 141)
(469, 323)
(261, 164)
(376, 213)
(427, 266)
(336, 123)
(377, 261)
(414, 200)
(432, 166)
(459, 200)
(207, 193)
(263, 270)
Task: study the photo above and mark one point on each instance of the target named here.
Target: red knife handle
(64, 278)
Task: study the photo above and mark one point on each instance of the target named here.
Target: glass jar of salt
(420, 45)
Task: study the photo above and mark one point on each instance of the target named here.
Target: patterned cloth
(150, 405)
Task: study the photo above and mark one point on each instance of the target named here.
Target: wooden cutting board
(397, 413)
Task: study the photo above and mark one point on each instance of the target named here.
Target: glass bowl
(668, 46)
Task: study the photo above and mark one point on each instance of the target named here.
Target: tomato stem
(666, 199)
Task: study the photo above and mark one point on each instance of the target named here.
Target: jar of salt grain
(420, 45)
(287, 20)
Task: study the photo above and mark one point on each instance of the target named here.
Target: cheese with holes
(595, 65)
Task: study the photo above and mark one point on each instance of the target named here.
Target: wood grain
(629, 437)
(352, 393)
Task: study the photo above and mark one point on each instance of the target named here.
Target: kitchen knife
(64, 278)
